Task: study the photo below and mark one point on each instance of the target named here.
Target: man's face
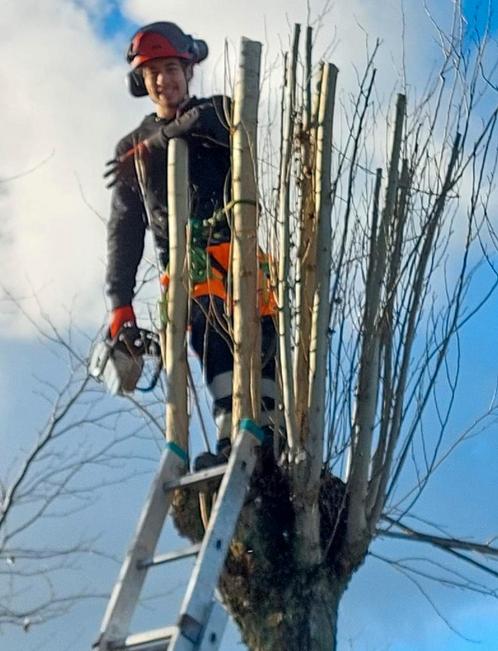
(166, 83)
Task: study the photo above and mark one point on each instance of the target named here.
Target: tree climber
(162, 58)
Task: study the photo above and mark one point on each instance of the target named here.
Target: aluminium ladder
(202, 618)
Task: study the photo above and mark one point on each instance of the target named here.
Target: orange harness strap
(215, 284)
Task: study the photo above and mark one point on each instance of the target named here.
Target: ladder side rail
(194, 612)
(126, 591)
(213, 632)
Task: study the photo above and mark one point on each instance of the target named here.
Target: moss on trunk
(277, 605)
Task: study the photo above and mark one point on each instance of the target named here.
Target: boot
(210, 459)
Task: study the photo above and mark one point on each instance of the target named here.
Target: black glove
(182, 124)
(204, 121)
(122, 168)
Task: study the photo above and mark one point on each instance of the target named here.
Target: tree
(373, 294)
(356, 452)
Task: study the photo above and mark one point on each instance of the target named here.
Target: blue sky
(52, 246)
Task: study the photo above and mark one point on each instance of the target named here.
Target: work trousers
(211, 340)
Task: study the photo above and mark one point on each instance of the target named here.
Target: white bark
(247, 338)
(321, 306)
(284, 314)
(177, 300)
(368, 384)
(307, 466)
(306, 263)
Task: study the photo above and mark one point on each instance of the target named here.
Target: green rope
(223, 213)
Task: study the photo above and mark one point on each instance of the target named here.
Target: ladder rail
(194, 611)
(213, 633)
(202, 618)
(126, 592)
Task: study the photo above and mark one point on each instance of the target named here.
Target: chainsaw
(119, 362)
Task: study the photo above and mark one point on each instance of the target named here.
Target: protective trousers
(211, 340)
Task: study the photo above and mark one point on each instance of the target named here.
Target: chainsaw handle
(118, 362)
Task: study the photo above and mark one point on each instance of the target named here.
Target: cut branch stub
(319, 342)
(247, 338)
(306, 263)
(177, 301)
(284, 315)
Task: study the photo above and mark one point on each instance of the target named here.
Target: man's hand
(124, 331)
(182, 124)
(122, 168)
(120, 317)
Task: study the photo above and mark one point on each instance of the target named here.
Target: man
(162, 58)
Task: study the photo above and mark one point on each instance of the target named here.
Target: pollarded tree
(374, 268)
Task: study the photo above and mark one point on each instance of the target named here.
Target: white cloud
(64, 103)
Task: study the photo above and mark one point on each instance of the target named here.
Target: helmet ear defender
(135, 83)
(199, 50)
(172, 42)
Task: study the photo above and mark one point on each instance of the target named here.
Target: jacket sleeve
(125, 240)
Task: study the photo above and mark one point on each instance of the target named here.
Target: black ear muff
(136, 84)
(199, 50)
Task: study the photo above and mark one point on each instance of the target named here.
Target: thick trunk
(298, 616)
(277, 604)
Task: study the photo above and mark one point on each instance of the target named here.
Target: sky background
(63, 107)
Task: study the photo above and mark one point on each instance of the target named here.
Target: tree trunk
(174, 343)
(304, 618)
(278, 604)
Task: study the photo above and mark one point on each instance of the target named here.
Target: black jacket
(132, 210)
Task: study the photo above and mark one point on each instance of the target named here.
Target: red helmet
(159, 40)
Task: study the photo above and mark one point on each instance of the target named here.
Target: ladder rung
(176, 555)
(154, 640)
(196, 478)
